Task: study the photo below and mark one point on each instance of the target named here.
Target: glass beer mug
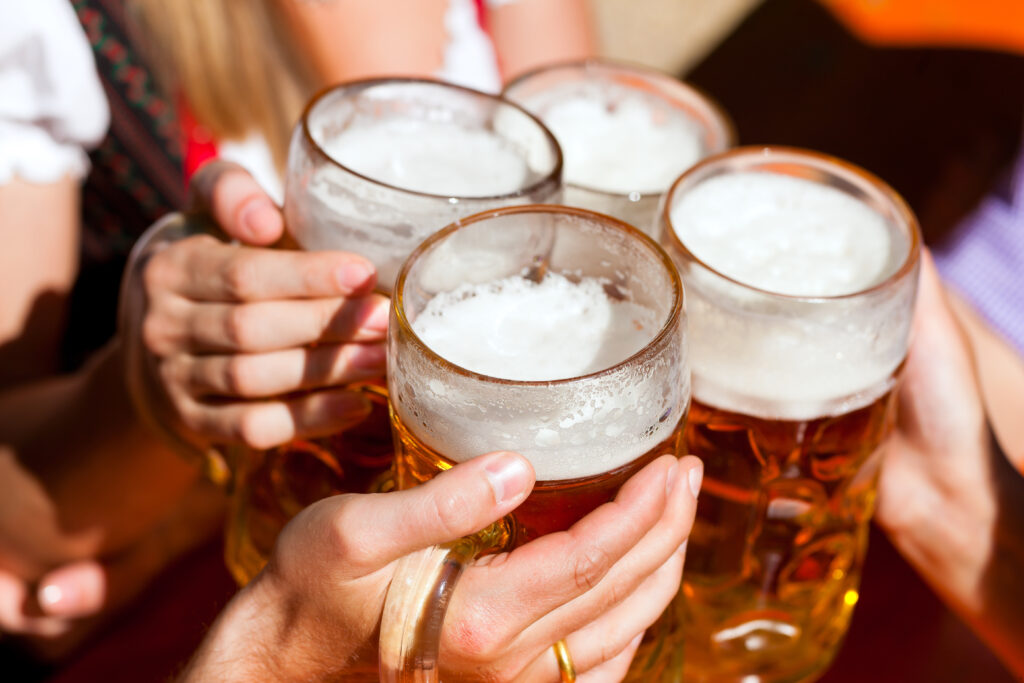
(626, 132)
(550, 331)
(374, 167)
(800, 274)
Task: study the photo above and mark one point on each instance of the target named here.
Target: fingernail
(57, 598)
(355, 275)
(508, 476)
(260, 218)
(635, 643)
(378, 318)
(681, 550)
(696, 475)
(670, 478)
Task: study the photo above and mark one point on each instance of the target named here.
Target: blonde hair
(233, 62)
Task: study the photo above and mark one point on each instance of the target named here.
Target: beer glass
(626, 132)
(374, 167)
(546, 330)
(800, 273)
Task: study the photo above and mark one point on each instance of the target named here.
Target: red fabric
(481, 14)
(200, 146)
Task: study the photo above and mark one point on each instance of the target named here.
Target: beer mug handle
(146, 398)
(416, 603)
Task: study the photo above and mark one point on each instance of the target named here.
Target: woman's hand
(315, 610)
(947, 496)
(234, 332)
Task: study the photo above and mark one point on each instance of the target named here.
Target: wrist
(240, 646)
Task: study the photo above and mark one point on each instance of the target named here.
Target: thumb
(240, 207)
(456, 503)
(940, 400)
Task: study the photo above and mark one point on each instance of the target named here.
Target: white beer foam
(431, 157)
(784, 359)
(784, 234)
(516, 329)
(616, 140)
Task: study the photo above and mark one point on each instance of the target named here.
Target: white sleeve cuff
(31, 154)
(52, 103)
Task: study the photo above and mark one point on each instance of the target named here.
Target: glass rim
(690, 92)
(799, 156)
(554, 175)
(671, 319)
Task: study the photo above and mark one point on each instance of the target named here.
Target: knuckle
(449, 510)
(240, 326)
(241, 377)
(346, 541)
(617, 592)
(241, 278)
(156, 274)
(589, 565)
(155, 336)
(476, 637)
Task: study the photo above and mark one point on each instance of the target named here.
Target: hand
(315, 609)
(234, 331)
(947, 496)
(56, 611)
(937, 459)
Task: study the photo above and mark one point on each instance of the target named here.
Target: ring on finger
(566, 669)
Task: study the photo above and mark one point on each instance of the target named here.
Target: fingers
(456, 503)
(272, 325)
(551, 571)
(262, 375)
(603, 649)
(648, 557)
(237, 202)
(558, 583)
(615, 669)
(266, 424)
(204, 269)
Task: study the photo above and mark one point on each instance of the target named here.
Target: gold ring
(565, 666)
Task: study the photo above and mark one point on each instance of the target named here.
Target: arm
(348, 39)
(64, 436)
(38, 265)
(530, 33)
(948, 496)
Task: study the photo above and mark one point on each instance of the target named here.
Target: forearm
(261, 635)
(80, 474)
(530, 33)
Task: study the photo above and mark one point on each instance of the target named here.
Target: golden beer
(775, 555)
(801, 273)
(551, 506)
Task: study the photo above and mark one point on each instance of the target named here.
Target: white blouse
(52, 105)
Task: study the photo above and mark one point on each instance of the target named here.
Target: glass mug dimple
(568, 347)
(800, 273)
(626, 132)
(374, 167)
